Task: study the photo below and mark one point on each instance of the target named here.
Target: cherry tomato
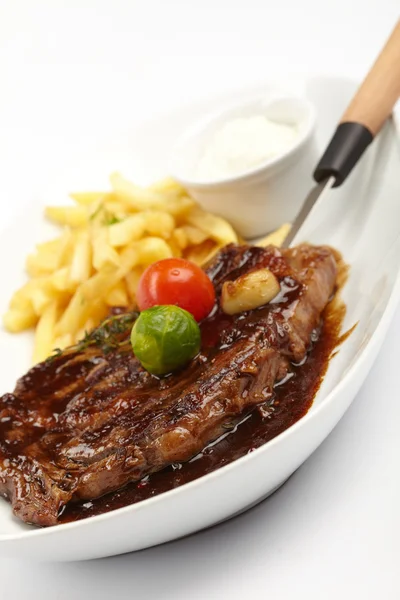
(179, 282)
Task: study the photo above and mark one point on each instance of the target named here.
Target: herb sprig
(107, 217)
(108, 336)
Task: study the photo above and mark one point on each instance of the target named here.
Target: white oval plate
(362, 220)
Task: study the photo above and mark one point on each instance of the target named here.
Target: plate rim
(373, 343)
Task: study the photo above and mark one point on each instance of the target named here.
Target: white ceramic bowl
(257, 200)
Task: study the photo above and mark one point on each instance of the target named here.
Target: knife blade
(317, 193)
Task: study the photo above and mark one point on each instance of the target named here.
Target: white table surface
(71, 68)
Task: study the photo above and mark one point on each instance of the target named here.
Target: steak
(90, 420)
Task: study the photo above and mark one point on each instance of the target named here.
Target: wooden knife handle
(380, 90)
(365, 115)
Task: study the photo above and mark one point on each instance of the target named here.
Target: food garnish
(90, 422)
(165, 338)
(108, 336)
(179, 282)
(108, 240)
(249, 291)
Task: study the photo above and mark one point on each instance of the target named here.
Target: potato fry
(180, 207)
(215, 227)
(103, 254)
(159, 223)
(66, 247)
(152, 249)
(194, 235)
(89, 198)
(45, 259)
(32, 268)
(134, 196)
(187, 235)
(132, 281)
(117, 210)
(132, 228)
(129, 258)
(202, 253)
(40, 300)
(74, 216)
(87, 328)
(168, 185)
(175, 249)
(81, 265)
(277, 237)
(61, 280)
(118, 295)
(87, 301)
(41, 293)
(16, 319)
(44, 336)
(142, 199)
(180, 237)
(21, 299)
(49, 256)
(64, 341)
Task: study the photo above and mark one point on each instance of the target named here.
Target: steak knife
(363, 119)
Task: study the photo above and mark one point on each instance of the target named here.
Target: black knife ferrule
(344, 150)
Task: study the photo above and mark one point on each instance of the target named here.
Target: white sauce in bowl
(243, 144)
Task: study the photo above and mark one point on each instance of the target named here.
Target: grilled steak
(91, 419)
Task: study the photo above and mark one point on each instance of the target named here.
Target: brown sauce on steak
(290, 401)
(89, 421)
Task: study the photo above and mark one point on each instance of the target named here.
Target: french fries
(214, 227)
(106, 242)
(74, 216)
(18, 319)
(45, 332)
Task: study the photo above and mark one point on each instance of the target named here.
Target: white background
(71, 69)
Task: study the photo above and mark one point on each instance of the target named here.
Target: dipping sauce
(243, 144)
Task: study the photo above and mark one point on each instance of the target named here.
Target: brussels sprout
(165, 338)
